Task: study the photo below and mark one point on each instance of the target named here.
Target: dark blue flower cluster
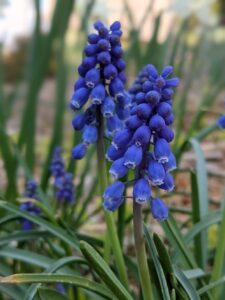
(63, 181)
(65, 190)
(30, 192)
(143, 145)
(221, 120)
(57, 166)
(100, 87)
(60, 288)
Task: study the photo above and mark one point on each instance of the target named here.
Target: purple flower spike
(100, 87)
(143, 146)
(221, 122)
(30, 207)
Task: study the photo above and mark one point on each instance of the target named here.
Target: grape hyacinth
(100, 87)
(30, 192)
(65, 190)
(60, 288)
(221, 120)
(57, 166)
(63, 181)
(143, 145)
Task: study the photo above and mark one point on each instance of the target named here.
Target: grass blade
(208, 220)
(49, 294)
(27, 257)
(200, 201)
(177, 41)
(153, 47)
(55, 266)
(40, 54)
(85, 203)
(211, 286)
(208, 98)
(39, 260)
(8, 218)
(158, 268)
(60, 278)
(12, 291)
(27, 133)
(23, 236)
(134, 35)
(219, 256)
(165, 260)
(60, 104)
(55, 230)
(103, 270)
(86, 17)
(194, 273)
(176, 238)
(9, 164)
(186, 284)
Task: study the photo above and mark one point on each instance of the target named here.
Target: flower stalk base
(141, 253)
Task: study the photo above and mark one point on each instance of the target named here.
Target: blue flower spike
(63, 181)
(65, 190)
(30, 192)
(100, 87)
(221, 120)
(143, 146)
(57, 166)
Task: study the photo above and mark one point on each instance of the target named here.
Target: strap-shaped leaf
(55, 230)
(9, 162)
(158, 268)
(163, 254)
(34, 258)
(49, 294)
(194, 273)
(60, 278)
(23, 236)
(211, 285)
(173, 294)
(199, 201)
(104, 271)
(186, 284)
(8, 218)
(12, 291)
(53, 268)
(208, 220)
(165, 259)
(27, 256)
(176, 239)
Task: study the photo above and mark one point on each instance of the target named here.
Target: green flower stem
(141, 253)
(111, 227)
(219, 257)
(121, 222)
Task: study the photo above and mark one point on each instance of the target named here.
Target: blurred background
(41, 46)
